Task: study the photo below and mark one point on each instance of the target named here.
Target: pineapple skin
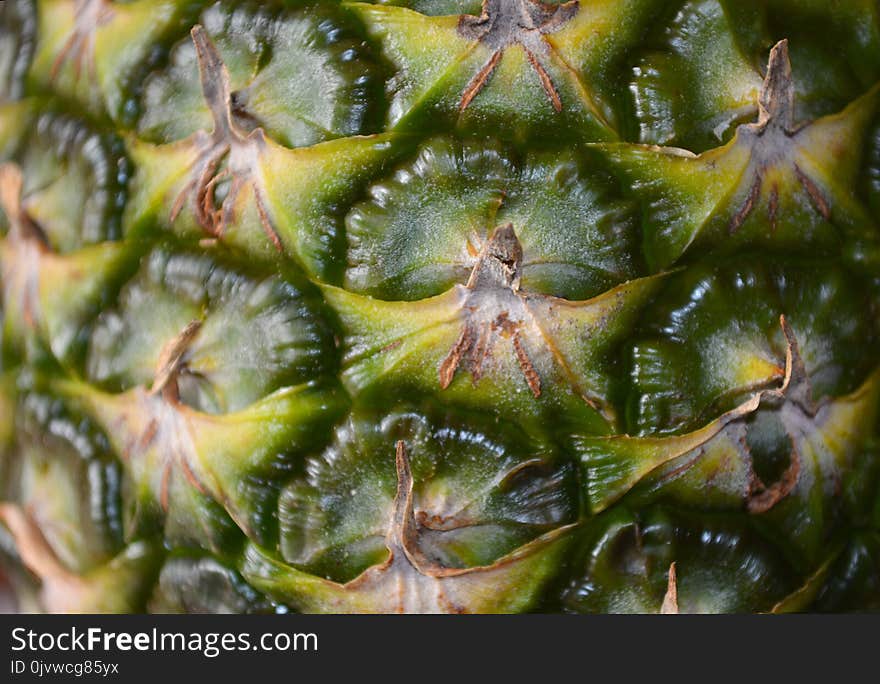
(440, 306)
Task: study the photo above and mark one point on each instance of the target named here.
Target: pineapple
(440, 305)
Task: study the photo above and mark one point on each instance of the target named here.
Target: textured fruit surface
(440, 305)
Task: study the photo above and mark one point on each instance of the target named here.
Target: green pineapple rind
(336, 283)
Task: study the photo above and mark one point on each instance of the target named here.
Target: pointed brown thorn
(776, 111)
(498, 268)
(88, 16)
(478, 82)
(10, 191)
(170, 359)
(546, 81)
(192, 478)
(816, 197)
(532, 378)
(453, 360)
(266, 222)
(776, 99)
(796, 385)
(500, 261)
(480, 350)
(670, 600)
(402, 532)
(748, 206)
(226, 141)
(36, 553)
(20, 224)
(61, 589)
(214, 77)
(145, 440)
(505, 23)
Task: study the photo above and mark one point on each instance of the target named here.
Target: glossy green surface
(448, 306)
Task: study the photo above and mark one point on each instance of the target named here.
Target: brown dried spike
(61, 590)
(546, 81)
(170, 358)
(797, 390)
(10, 191)
(670, 600)
(493, 309)
(479, 81)
(816, 196)
(531, 375)
(88, 16)
(776, 124)
(453, 359)
(226, 141)
(776, 99)
(21, 226)
(403, 531)
(35, 551)
(29, 244)
(214, 77)
(500, 261)
(503, 23)
(796, 385)
(480, 350)
(746, 209)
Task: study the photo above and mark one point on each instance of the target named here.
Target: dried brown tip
(796, 385)
(814, 193)
(746, 209)
(80, 44)
(670, 600)
(504, 23)
(403, 531)
(528, 369)
(546, 82)
(21, 226)
(62, 591)
(171, 357)
(795, 389)
(453, 360)
(479, 81)
(10, 190)
(498, 267)
(214, 78)
(500, 261)
(776, 100)
(403, 512)
(32, 546)
(225, 139)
